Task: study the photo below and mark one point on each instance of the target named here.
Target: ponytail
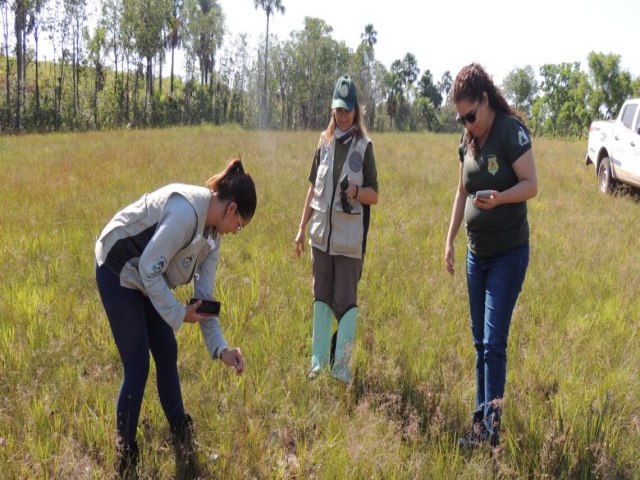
(235, 185)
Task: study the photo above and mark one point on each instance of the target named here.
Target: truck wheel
(606, 183)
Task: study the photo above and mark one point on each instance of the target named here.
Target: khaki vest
(330, 226)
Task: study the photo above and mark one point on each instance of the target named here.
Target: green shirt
(369, 172)
(505, 226)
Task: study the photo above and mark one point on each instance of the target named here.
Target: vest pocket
(347, 233)
(318, 226)
(321, 183)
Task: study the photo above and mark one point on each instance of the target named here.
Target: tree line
(114, 74)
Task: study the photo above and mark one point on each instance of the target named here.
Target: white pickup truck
(614, 148)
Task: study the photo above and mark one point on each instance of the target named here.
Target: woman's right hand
(300, 242)
(191, 316)
(449, 258)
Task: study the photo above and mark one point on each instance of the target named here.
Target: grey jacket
(160, 242)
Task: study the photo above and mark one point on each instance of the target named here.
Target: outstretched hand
(232, 357)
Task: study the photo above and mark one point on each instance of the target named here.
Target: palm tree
(409, 69)
(270, 7)
(174, 37)
(370, 36)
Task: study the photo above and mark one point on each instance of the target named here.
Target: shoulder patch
(160, 265)
(523, 138)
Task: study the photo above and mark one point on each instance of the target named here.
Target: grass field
(571, 408)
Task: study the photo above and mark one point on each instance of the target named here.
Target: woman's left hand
(232, 357)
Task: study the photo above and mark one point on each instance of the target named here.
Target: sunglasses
(469, 117)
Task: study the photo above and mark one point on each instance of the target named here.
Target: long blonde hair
(358, 123)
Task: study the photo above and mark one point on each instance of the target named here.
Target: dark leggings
(138, 328)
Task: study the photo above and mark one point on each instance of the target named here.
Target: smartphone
(211, 307)
(483, 193)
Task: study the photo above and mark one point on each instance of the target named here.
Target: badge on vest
(355, 161)
(492, 164)
(186, 263)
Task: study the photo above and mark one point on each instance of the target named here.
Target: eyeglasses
(240, 225)
(469, 117)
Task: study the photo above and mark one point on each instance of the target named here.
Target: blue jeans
(494, 283)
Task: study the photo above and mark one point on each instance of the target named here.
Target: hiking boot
(477, 436)
(492, 424)
(127, 461)
(184, 448)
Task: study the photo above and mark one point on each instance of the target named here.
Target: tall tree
(520, 88)
(612, 85)
(146, 18)
(111, 15)
(445, 84)
(370, 35)
(318, 61)
(174, 36)
(427, 89)
(409, 71)
(20, 12)
(204, 32)
(270, 7)
(635, 87)
(35, 24)
(558, 81)
(394, 86)
(76, 13)
(97, 44)
(364, 67)
(4, 9)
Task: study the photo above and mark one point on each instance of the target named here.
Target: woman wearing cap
(343, 184)
(497, 177)
(163, 240)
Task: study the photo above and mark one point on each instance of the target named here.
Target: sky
(446, 35)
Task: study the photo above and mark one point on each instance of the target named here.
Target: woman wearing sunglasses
(163, 240)
(343, 184)
(497, 177)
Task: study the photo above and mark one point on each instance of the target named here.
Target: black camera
(344, 199)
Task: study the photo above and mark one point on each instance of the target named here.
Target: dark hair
(237, 186)
(470, 83)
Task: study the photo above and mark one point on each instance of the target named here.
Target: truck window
(628, 115)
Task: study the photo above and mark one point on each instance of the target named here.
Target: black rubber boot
(184, 447)
(127, 461)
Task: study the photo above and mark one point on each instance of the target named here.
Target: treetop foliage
(123, 73)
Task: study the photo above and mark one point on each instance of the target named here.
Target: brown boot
(184, 447)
